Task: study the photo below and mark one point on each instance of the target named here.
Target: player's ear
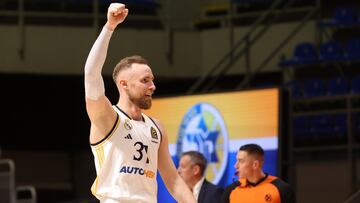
(123, 83)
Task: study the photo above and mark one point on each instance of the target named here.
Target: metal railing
(242, 47)
(354, 198)
(7, 181)
(263, 64)
(26, 194)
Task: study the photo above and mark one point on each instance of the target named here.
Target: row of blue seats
(335, 124)
(325, 127)
(306, 53)
(343, 16)
(319, 87)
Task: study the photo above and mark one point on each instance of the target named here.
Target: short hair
(198, 159)
(126, 63)
(253, 149)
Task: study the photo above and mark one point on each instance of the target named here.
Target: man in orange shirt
(255, 186)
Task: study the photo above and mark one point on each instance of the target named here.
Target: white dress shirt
(197, 187)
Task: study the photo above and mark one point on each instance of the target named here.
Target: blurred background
(309, 49)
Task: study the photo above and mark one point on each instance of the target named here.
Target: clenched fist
(116, 14)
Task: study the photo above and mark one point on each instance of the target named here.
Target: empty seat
(340, 127)
(343, 16)
(352, 49)
(331, 51)
(356, 125)
(314, 88)
(304, 54)
(338, 86)
(300, 130)
(321, 125)
(322, 130)
(355, 85)
(300, 125)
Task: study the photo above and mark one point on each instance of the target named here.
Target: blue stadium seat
(300, 129)
(321, 124)
(355, 85)
(340, 127)
(321, 128)
(352, 49)
(356, 125)
(338, 86)
(304, 54)
(343, 16)
(314, 88)
(331, 51)
(346, 16)
(295, 88)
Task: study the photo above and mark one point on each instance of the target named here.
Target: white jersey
(126, 161)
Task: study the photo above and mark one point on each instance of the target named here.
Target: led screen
(217, 125)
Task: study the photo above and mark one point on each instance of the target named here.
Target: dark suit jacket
(210, 193)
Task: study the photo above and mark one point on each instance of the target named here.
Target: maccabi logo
(203, 129)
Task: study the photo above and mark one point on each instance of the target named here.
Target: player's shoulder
(157, 122)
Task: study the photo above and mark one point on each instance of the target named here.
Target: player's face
(185, 169)
(141, 85)
(244, 164)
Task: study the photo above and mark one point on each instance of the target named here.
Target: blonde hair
(126, 63)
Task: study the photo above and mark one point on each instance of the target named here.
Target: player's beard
(142, 103)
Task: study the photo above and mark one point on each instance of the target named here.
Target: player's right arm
(99, 108)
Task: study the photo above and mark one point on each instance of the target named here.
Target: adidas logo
(128, 136)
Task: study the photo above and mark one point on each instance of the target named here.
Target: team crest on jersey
(153, 133)
(268, 198)
(203, 129)
(127, 124)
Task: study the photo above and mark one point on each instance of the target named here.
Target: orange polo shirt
(270, 189)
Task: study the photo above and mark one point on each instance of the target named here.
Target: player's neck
(133, 111)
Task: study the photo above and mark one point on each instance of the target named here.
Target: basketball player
(128, 146)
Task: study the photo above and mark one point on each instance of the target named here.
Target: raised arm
(98, 107)
(174, 183)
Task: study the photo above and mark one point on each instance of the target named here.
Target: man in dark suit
(192, 169)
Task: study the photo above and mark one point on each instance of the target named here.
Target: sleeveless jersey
(126, 161)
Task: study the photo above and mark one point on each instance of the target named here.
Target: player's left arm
(174, 183)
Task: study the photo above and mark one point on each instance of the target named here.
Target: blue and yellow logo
(203, 129)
